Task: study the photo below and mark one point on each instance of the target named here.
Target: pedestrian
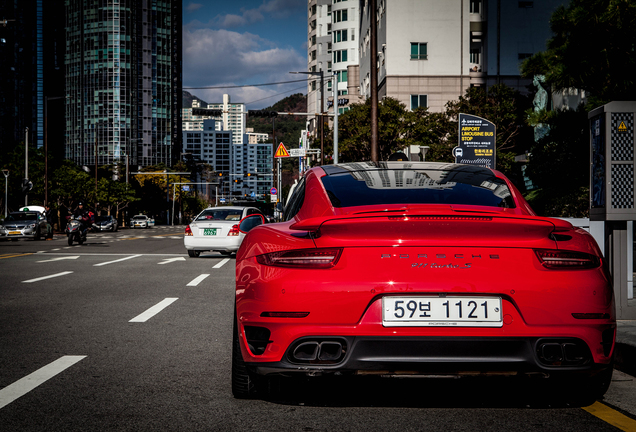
(49, 222)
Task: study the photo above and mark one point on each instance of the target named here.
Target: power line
(246, 85)
(268, 97)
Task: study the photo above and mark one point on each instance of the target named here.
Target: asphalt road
(126, 333)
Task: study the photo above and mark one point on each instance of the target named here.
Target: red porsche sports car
(420, 268)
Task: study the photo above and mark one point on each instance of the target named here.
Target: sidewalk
(625, 353)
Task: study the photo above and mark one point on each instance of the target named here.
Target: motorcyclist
(81, 214)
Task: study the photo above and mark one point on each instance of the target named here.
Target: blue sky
(234, 43)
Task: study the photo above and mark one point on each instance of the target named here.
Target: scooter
(75, 230)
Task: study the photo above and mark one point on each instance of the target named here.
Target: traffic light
(260, 113)
(206, 112)
(27, 185)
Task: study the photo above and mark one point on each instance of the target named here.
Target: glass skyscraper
(123, 81)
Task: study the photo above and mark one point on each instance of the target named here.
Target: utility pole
(373, 70)
(26, 163)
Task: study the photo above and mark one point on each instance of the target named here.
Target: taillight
(303, 258)
(554, 259)
(234, 231)
(188, 230)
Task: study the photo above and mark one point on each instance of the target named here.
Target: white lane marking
(196, 281)
(47, 277)
(169, 260)
(111, 262)
(154, 310)
(221, 263)
(61, 258)
(29, 382)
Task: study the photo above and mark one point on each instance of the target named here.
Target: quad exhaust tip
(315, 351)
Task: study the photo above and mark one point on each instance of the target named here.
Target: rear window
(414, 186)
(229, 214)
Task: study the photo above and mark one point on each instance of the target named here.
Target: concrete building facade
(430, 52)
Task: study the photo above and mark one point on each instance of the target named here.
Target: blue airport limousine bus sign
(476, 142)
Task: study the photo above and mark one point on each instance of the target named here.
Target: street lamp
(6, 190)
(322, 108)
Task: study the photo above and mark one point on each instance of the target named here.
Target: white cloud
(275, 9)
(222, 58)
(193, 7)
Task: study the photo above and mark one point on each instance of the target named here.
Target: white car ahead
(142, 221)
(216, 229)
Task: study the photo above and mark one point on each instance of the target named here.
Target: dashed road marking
(221, 263)
(47, 277)
(111, 262)
(29, 382)
(154, 310)
(196, 281)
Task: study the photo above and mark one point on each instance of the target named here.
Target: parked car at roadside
(29, 222)
(142, 221)
(105, 223)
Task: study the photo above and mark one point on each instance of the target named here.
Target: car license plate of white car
(421, 311)
(209, 231)
(15, 232)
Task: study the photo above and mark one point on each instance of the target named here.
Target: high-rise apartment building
(332, 33)
(32, 73)
(245, 168)
(232, 117)
(123, 81)
(430, 51)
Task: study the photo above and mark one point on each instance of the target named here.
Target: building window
(340, 36)
(340, 56)
(419, 51)
(419, 101)
(475, 6)
(475, 55)
(340, 15)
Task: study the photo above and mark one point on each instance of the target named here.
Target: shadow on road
(470, 392)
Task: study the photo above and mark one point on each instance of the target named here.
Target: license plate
(209, 231)
(441, 311)
(14, 232)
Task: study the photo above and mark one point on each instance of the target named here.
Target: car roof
(403, 165)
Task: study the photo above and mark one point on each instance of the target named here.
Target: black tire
(80, 239)
(193, 253)
(245, 384)
(70, 240)
(37, 236)
(580, 390)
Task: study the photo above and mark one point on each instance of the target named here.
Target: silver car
(23, 224)
(216, 229)
(105, 223)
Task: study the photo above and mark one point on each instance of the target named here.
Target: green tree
(354, 131)
(115, 195)
(559, 165)
(592, 49)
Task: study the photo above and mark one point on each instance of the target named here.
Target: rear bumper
(226, 243)
(432, 356)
